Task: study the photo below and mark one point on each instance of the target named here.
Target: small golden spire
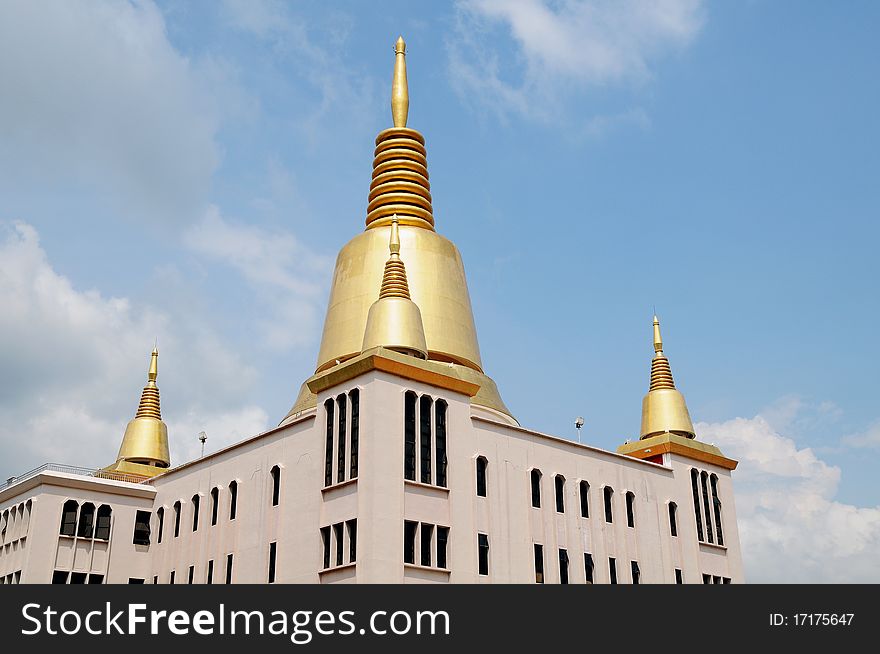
(154, 365)
(658, 342)
(399, 90)
(664, 409)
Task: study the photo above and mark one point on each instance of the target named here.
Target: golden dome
(663, 408)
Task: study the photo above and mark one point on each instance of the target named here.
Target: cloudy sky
(187, 173)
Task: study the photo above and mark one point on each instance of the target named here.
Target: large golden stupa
(437, 282)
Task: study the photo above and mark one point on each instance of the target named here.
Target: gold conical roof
(663, 408)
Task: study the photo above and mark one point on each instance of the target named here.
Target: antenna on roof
(202, 438)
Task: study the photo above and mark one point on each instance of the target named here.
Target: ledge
(340, 484)
(336, 568)
(440, 490)
(714, 546)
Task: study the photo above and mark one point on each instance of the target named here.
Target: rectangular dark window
(440, 441)
(338, 534)
(192, 574)
(559, 483)
(482, 464)
(215, 503)
(325, 540)
(352, 540)
(673, 519)
(86, 520)
(156, 580)
(425, 438)
(171, 577)
(707, 513)
(79, 578)
(725, 580)
(716, 503)
(233, 499)
(563, 566)
(102, 526)
(68, 519)
(96, 579)
(273, 549)
(539, 564)
(427, 539)
(678, 577)
(630, 510)
(585, 499)
(196, 503)
(483, 545)
(210, 577)
(60, 577)
(176, 519)
(131, 580)
(535, 477)
(612, 570)
(409, 436)
(716, 579)
(409, 541)
(229, 568)
(340, 464)
(142, 528)
(608, 494)
(636, 573)
(355, 399)
(588, 567)
(442, 540)
(161, 515)
(328, 451)
(276, 485)
(696, 493)
(707, 579)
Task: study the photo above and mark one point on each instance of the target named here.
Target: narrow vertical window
(563, 566)
(276, 485)
(233, 499)
(673, 519)
(482, 464)
(409, 541)
(716, 503)
(192, 574)
(535, 477)
(215, 502)
(328, 451)
(229, 568)
(440, 441)
(678, 577)
(483, 545)
(588, 567)
(340, 456)
(161, 515)
(86, 520)
(707, 579)
(539, 564)
(585, 499)
(425, 438)
(612, 570)
(707, 513)
(209, 578)
(427, 539)
(409, 436)
(355, 398)
(630, 509)
(442, 541)
(68, 520)
(696, 492)
(177, 518)
(196, 502)
(156, 580)
(338, 535)
(102, 525)
(352, 540)
(559, 483)
(636, 573)
(142, 528)
(325, 540)
(171, 577)
(273, 550)
(608, 494)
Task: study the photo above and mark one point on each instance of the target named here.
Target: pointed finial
(394, 244)
(399, 90)
(154, 365)
(658, 341)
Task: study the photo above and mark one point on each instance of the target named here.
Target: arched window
(585, 499)
(215, 503)
(233, 499)
(536, 488)
(707, 510)
(102, 526)
(482, 464)
(559, 483)
(4, 521)
(696, 492)
(673, 519)
(409, 436)
(630, 509)
(608, 494)
(340, 465)
(328, 450)
(440, 440)
(276, 484)
(196, 505)
(28, 507)
(716, 503)
(354, 397)
(425, 403)
(160, 514)
(86, 520)
(177, 518)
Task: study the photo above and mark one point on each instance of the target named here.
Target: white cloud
(73, 364)
(791, 527)
(869, 438)
(97, 98)
(560, 47)
(289, 279)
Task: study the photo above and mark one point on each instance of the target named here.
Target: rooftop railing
(72, 470)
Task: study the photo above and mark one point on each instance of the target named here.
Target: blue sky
(188, 172)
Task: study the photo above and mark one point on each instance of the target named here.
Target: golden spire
(399, 90)
(663, 408)
(145, 443)
(394, 320)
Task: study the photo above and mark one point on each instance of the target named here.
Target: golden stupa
(437, 284)
(663, 408)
